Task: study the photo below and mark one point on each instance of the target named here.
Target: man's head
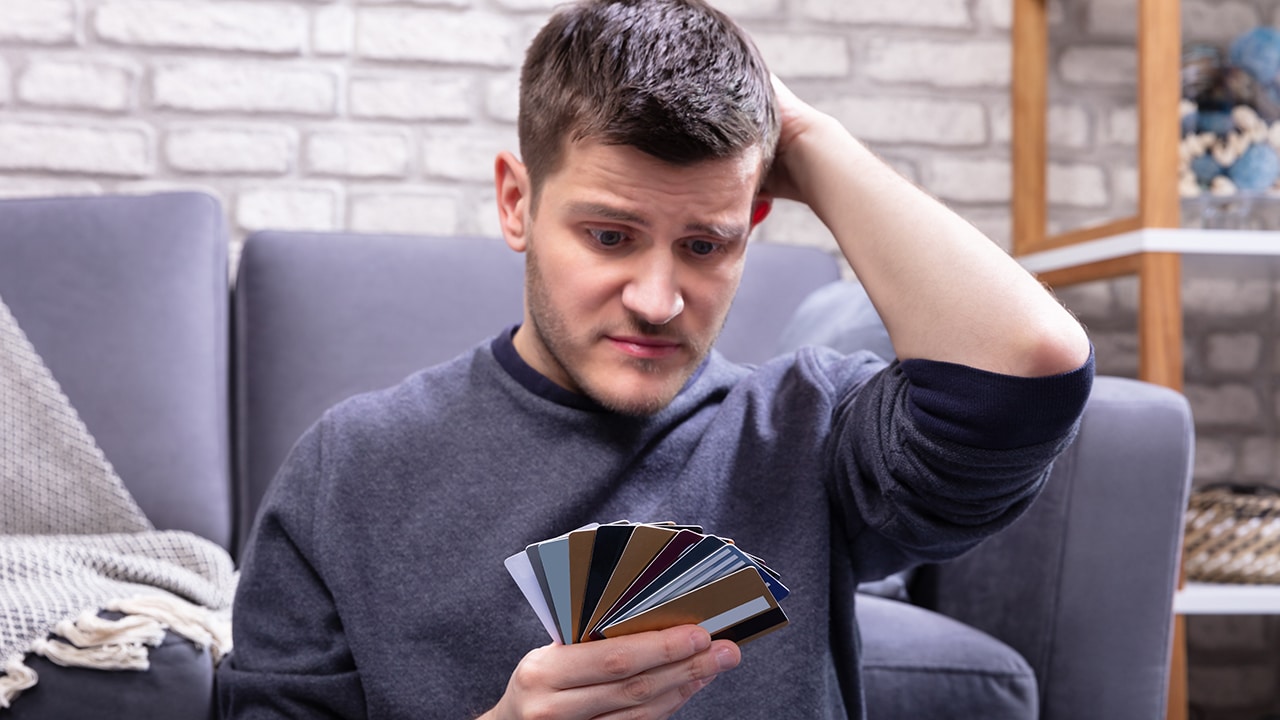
(647, 127)
(675, 79)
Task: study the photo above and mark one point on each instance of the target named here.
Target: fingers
(648, 675)
(661, 691)
(661, 707)
(608, 660)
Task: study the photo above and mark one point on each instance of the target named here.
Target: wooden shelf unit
(1159, 272)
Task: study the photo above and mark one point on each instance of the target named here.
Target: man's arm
(291, 657)
(944, 290)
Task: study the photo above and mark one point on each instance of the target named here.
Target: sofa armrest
(1082, 585)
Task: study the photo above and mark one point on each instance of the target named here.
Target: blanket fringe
(90, 630)
(198, 624)
(17, 677)
(90, 641)
(125, 656)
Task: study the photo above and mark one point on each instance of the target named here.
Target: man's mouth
(645, 347)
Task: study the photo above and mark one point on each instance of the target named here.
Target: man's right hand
(647, 675)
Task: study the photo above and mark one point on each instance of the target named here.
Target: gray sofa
(1066, 615)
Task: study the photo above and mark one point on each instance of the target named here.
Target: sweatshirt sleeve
(932, 458)
(290, 657)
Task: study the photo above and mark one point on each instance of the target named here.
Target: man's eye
(702, 247)
(608, 238)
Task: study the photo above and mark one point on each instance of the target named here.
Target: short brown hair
(676, 79)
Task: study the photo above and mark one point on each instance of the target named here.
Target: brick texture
(251, 26)
(359, 154)
(944, 64)
(917, 13)
(234, 150)
(92, 149)
(4, 82)
(436, 36)
(49, 22)
(911, 120)
(78, 84)
(242, 87)
(405, 210)
(412, 96)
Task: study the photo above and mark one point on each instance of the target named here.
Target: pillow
(840, 316)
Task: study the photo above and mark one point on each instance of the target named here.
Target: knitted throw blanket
(73, 541)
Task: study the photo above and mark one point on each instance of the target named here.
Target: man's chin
(642, 401)
(634, 406)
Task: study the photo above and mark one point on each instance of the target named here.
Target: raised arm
(944, 290)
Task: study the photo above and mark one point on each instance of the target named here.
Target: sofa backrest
(319, 317)
(125, 298)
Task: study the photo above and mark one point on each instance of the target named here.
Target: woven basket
(1233, 535)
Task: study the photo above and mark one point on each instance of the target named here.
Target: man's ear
(511, 181)
(760, 209)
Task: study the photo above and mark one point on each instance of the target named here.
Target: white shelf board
(1221, 599)
(1176, 240)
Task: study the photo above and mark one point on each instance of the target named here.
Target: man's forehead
(579, 154)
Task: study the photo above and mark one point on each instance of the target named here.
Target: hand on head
(796, 120)
(647, 675)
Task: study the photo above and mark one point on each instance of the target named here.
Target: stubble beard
(555, 336)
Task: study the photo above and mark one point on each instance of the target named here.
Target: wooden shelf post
(1159, 273)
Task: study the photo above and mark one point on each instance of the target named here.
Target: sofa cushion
(125, 299)
(919, 664)
(840, 316)
(179, 686)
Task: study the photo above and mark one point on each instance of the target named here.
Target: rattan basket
(1233, 535)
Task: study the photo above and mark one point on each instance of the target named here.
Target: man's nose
(653, 293)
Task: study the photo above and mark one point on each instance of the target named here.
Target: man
(653, 140)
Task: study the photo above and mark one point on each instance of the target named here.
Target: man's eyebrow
(607, 212)
(717, 230)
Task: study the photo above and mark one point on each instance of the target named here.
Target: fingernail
(700, 639)
(726, 659)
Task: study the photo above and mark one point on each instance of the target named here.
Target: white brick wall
(333, 30)
(122, 149)
(1219, 21)
(412, 96)
(366, 154)
(243, 87)
(87, 83)
(464, 154)
(967, 63)
(977, 180)
(406, 210)
(1109, 65)
(911, 120)
(299, 207)
(930, 13)
(231, 149)
(50, 22)
(797, 55)
(473, 38)
(264, 27)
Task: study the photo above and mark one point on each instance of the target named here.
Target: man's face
(631, 267)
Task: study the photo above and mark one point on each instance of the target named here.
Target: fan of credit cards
(603, 581)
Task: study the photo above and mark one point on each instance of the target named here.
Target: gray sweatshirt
(374, 583)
